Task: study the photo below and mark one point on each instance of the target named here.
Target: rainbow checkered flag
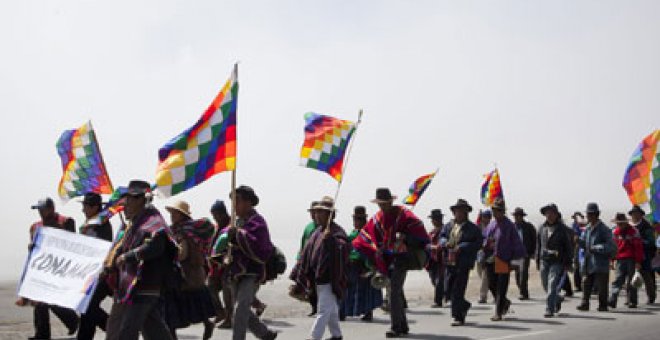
(82, 164)
(204, 149)
(417, 189)
(492, 188)
(642, 177)
(326, 140)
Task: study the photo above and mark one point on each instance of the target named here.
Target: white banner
(62, 269)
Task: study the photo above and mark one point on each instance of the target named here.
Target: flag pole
(343, 170)
(232, 223)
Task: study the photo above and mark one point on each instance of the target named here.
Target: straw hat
(180, 206)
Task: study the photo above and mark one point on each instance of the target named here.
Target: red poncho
(380, 234)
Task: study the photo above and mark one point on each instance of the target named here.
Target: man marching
(249, 249)
(323, 264)
(554, 256)
(50, 218)
(436, 265)
(95, 226)
(463, 242)
(390, 240)
(598, 250)
(648, 241)
(502, 245)
(629, 257)
(527, 234)
(144, 260)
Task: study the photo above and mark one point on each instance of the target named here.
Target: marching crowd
(164, 276)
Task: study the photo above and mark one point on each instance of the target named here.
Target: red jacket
(628, 244)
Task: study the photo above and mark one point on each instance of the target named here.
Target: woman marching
(361, 297)
(192, 303)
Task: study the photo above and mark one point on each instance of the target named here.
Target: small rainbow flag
(417, 188)
(115, 204)
(492, 188)
(326, 140)
(82, 163)
(204, 149)
(642, 177)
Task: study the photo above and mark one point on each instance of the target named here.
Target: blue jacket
(599, 249)
(468, 245)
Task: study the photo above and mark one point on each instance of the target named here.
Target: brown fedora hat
(461, 204)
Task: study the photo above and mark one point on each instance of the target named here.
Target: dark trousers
(437, 274)
(577, 276)
(522, 277)
(492, 279)
(95, 316)
(214, 284)
(568, 287)
(625, 269)
(459, 306)
(398, 320)
(596, 279)
(649, 284)
(501, 287)
(42, 319)
(128, 320)
(449, 283)
(313, 300)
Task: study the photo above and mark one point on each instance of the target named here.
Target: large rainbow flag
(492, 188)
(417, 189)
(204, 149)
(326, 140)
(642, 177)
(82, 163)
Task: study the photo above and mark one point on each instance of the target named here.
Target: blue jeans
(551, 274)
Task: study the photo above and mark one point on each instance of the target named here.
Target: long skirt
(184, 308)
(361, 298)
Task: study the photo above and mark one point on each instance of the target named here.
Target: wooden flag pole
(232, 223)
(343, 170)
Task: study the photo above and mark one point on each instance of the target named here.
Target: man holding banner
(50, 218)
(96, 226)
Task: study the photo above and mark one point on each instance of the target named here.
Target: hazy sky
(557, 93)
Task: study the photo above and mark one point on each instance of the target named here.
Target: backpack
(276, 264)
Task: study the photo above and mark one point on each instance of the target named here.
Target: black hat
(498, 204)
(461, 203)
(549, 207)
(577, 213)
(436, 214)
(620, 218)
(637, 209)
(44, 203)
(519, 212)
(383, 195)
(247, 193)
(92, 199)
(360, 211)
(138, 187)
(219, 206)
(592, 208)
